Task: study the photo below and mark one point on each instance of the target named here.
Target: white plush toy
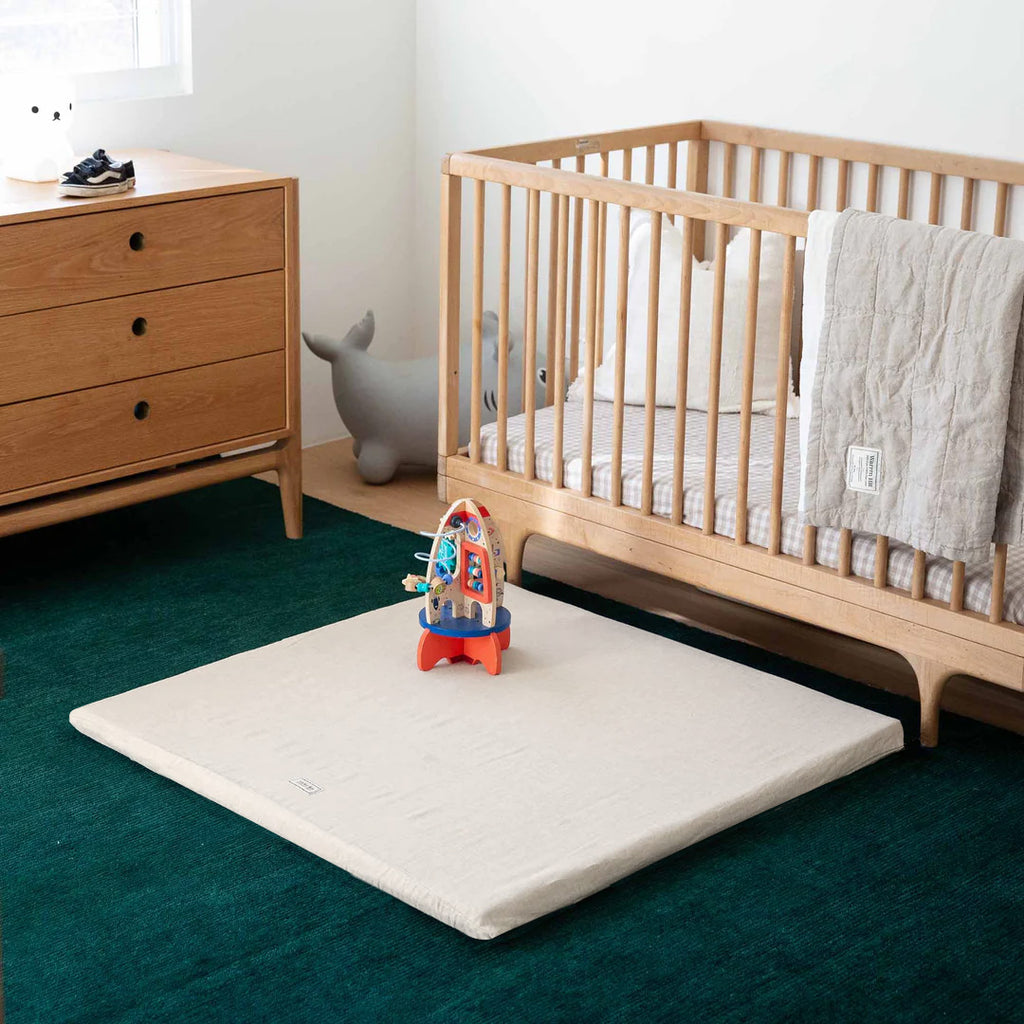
(35, 116)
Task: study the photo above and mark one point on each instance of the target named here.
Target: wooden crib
(547, 232)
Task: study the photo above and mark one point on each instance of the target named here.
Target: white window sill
(135, 83)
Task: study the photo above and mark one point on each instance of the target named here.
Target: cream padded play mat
(490, 801)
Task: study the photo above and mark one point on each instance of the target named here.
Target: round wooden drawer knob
(141, 410)
(136, 240)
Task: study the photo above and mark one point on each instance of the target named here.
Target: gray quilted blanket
(917, 430)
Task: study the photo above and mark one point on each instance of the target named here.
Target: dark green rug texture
(896, 894)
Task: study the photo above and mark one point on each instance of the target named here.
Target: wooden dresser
(144, 337)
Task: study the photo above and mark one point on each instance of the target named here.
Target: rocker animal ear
(360, 334)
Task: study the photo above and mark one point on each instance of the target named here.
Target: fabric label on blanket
(863, 466)
(920, 342)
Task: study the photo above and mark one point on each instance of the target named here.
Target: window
(116, 49)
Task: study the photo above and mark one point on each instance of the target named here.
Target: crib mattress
(939, 577)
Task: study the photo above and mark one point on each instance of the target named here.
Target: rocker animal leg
(377, 462)
(931, 680)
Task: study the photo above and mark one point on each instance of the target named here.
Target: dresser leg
(289, 476)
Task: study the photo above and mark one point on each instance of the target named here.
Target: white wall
(323, 90)
(361, 98)
(942, 76)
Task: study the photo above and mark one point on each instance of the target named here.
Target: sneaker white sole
(84, 191)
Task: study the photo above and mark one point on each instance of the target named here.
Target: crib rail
(549, 246)
(606, 142)
(636, 195)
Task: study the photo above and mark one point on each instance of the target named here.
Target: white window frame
(166, 32)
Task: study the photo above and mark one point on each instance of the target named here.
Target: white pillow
(769, 307)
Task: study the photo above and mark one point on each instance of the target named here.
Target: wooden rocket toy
(463, 587)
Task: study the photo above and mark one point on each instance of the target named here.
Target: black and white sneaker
(97, 175)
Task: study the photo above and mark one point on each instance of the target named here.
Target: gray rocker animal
(390, 408)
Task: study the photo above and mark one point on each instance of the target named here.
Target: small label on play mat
(863, 469)
(306, 786)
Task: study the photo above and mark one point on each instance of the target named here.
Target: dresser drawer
(82, 432)
(73, 347)
(122, 251)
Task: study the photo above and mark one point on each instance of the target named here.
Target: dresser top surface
(160, 176)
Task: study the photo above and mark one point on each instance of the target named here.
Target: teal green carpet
(893, 895)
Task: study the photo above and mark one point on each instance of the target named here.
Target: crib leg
(932, 677)
(514, 539)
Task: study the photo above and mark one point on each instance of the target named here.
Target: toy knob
(413, 583)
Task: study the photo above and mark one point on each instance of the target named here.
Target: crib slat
(649, 168)
(784, 162)
(810, 544)
(602, 259)
(651, 381)
(530, 340)
(881, 560)
(781, 393)
(697, 151)
(995, 612)
(448, 420)
(618, 408)
(475, 400)
(577, 277)
(682, 371)
(750, 338)
(728, 169)
(587, 473)
(813, 172)
(872, 203)
(618, 413)
(999, 225)
(714, 378)
(627, 164)
(903, 204)
(935, 199)
(917, 580)
(526, 291)
(673, 171)
(562, 260)
(845, 551)
(967, 205)
(843, 185)
(503, 304)
(956, 593)
(755, 174)
(746, 402)
(552, 278)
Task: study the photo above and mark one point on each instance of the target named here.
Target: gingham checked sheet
(938, 583)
